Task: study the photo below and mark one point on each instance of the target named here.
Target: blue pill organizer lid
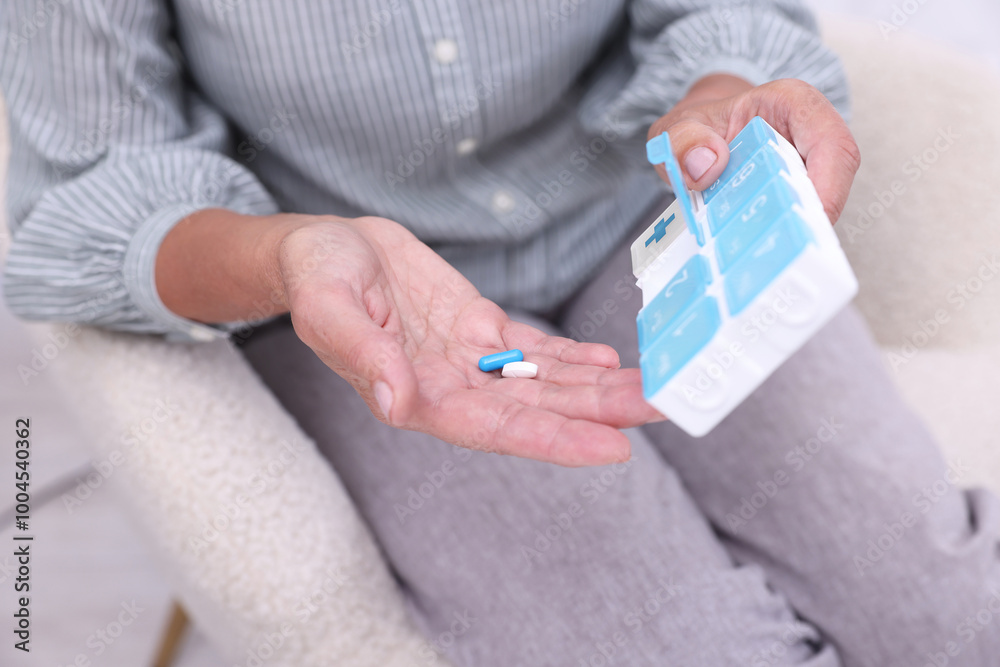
(659, 151)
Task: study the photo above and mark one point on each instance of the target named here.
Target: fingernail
(698, 161)
(383, 395)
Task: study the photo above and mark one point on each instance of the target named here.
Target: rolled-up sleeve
(110, 147)
(674, 43)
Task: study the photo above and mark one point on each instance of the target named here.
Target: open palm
(406, 329)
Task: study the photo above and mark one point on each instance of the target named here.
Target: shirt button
(503, 202)
(445, 51)
(466, 146)
(201, 335)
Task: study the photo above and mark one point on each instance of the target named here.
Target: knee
(942, 575)
(949, 620)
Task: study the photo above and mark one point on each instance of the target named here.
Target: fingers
(620, 405)
(700, 148)
(576, 380)
(832, 158)
(832, 166)
(487, 421)
(805, 117)
(572, 375)
(571, 414)
(528, 339)
(607, 396)
(794, 108)
(577, 390)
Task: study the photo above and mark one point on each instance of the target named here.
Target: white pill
(519, 369)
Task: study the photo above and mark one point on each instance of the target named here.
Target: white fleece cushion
(939, 233)
(249, 519)
(910, 256)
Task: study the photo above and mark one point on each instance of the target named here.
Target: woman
(387, 173)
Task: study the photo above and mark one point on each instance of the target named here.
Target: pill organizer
(734, 279)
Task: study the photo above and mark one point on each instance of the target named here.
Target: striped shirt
(508, 135)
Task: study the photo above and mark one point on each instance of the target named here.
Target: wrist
(270, 255)
(217, 265)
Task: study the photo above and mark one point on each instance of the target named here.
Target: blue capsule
(494, 362)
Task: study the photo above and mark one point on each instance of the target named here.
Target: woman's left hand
(719, 106)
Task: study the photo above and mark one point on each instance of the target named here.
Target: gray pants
(817, 525)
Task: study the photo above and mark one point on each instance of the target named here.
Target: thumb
(371, 358)
(700, 150)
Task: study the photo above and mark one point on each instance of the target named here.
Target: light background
(87, 563)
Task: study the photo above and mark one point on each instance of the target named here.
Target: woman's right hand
(406, 329)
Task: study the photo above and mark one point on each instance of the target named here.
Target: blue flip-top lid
(659, 151)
